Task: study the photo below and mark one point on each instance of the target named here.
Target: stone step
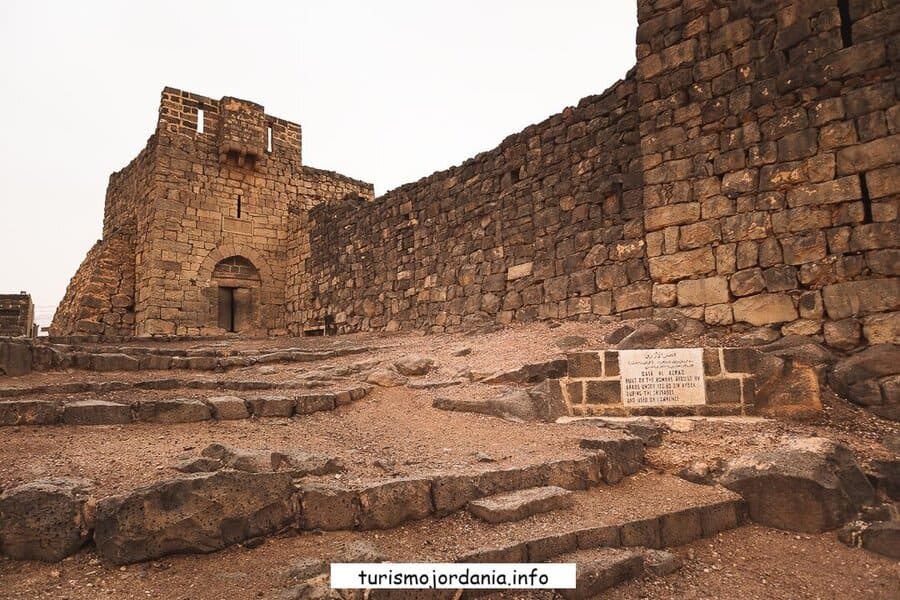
(603, 569)
(520, 504)
(173, 410)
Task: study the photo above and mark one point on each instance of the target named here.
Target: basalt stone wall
(100, 297)
(546, 225)
(769, 133)
(747, 171)
(16, 315)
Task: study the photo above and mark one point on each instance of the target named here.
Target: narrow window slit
(866, 200)
(239, 207)
(846, 23)
(269, 139)
(200, 118)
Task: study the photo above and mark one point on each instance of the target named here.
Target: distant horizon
(388, 94)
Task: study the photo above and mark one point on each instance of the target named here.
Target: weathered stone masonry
(747, 170)
(208, 193)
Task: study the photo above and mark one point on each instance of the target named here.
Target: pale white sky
(386, 91)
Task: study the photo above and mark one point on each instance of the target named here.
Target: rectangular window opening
(866, 200)
(239, 207)
(846, 23)
(269, 139)
(200, 118)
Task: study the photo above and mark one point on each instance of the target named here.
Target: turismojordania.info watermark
(528, 576)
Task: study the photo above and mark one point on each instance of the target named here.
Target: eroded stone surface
(45, 519)
(195, 514)
(518, 505)
(806, 484)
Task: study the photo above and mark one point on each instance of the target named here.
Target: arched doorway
(238, 284)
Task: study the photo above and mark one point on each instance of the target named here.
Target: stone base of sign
(593, 387)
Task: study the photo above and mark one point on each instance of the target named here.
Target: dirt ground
(395, 432)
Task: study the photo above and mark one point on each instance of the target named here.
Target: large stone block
(765, 309)
(391, 503)
(96, 412)
(711, 290)
(868, 156)
(672, 267)
(44, 520)
(807, 484)
(853, 298)
(176, 410)
(674, 214)
(195, 514)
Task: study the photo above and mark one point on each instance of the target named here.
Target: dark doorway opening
(226, 308)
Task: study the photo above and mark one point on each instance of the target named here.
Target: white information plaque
(664, 377)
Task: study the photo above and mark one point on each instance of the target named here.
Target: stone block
(603, 392)
(882, 329)
(747, 282)
(44, 520)
(327, 507)
(804, 248)
(681, 527)
(868, 156)
(309, 403)
(177, 410)
(545, 548)
(642, 532)
(29, 412)
(598, 537)
(391, 503)
(114, 362)
(520, 504)
(96, 412)
(271, 406)
(723, 391)
(722, 516)
(194, 514)
(844, 334)
(227, 408)
(674, 214)
(672, 267)
(765, 309)
(711, 290)
(609, 569)
(585, 364)
(853, 298)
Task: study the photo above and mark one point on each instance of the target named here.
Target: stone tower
(196, 228)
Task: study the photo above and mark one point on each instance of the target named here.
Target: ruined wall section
(323, 187)
(770, 134)
(99, 299)
(218, 192)
(16, 315)
(128, 191)
(546, 225)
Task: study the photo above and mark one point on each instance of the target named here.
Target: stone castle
(746, 170)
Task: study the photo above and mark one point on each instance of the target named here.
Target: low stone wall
(176, 410)
(175, 516)
(23, 357)
(593, 385)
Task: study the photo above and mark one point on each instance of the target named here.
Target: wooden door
(226, 308)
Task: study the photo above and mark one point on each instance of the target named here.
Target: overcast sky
(386, 91)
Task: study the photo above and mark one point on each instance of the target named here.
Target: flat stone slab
(520, 504)
(603, 570)
(96, 412)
